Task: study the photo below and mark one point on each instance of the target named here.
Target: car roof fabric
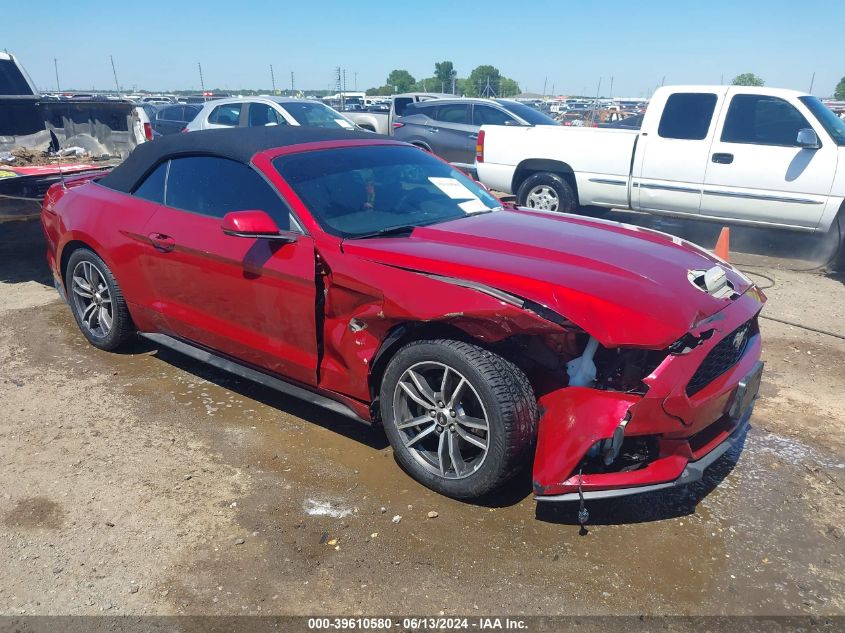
(239, 144)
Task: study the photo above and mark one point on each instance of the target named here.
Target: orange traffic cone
(723, 244)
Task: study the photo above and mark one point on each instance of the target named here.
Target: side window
(152, 188)
(261, 114)
(226, 114)
(485, 115)
(762, 120)
(687, 115)
(420, 108)
(173, 113)
(215, 186)
(453, 113)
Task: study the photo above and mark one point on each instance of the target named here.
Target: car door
(757, 171)
(170, 119)
(250, 298)
(451, 131)
(671, 157)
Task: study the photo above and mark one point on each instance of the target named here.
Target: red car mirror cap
(255, 224)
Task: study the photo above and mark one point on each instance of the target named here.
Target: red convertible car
(372, 278)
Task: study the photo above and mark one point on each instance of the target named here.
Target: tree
(508, 87)
(401, 80)
(482, 80)
(839, 93)
(444, 73)
(381, 91)
(747, 79)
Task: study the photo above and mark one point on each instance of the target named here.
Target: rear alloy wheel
(96, 301)
(459, 417)
(546, 191)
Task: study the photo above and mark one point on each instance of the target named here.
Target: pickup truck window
(762, 120)
(830, 122)
(687, 115)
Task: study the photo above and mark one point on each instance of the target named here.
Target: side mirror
(256, 224)
(808, 139)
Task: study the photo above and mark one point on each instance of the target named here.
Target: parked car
(634, 122)
(172, 119)
(267, 111)
(381, 121)
(757, 156)
(449, 127)
(374, 279)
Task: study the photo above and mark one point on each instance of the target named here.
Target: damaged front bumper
(672, 433)
(693, 471)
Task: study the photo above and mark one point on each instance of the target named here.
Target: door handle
(161, 242)
(432, 130)
(473, 136)
(725, 159)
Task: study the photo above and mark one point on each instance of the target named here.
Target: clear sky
(156, 45)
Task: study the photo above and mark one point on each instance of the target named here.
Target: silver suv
(449, 127)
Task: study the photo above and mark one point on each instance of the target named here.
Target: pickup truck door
(757, 171)
(671, 156)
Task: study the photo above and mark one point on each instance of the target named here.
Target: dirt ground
(144, 483)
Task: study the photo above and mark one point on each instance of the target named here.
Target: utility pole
(343, 94)
(663, 81)
(356, 81)
(272, 78)
(595, 104)
(611, 87)
(812, 81)
(202, 83)
(544, 86)
(56, 66)
(114, 72)
(292, 88)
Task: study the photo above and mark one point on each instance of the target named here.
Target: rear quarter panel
(112, 225)
(592, 153)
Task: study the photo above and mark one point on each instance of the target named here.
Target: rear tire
(468, 427)
(96, 300)
(547, 191)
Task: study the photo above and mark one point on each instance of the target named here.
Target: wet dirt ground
(144, 483)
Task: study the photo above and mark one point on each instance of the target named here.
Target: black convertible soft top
(239, 144)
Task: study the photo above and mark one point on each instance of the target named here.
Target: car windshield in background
(830, 122)
(317, 115)
(364, 191)
(527, 113)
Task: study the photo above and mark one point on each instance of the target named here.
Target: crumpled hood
(624, 285)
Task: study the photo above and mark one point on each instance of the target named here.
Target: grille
(721, 358)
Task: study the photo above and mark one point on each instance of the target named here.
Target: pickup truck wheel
(546, 191)
(460, 418)
(96, 301)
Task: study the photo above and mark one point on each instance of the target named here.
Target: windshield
(316, 115)
(830, 122)
(359, 191)
(527, 113)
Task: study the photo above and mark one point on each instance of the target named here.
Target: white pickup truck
(757, 156)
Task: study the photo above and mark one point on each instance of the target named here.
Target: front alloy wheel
(441, 420)
(461, 419)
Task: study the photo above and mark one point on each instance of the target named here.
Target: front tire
(96, 301)
(460, 418)
(546, 191)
